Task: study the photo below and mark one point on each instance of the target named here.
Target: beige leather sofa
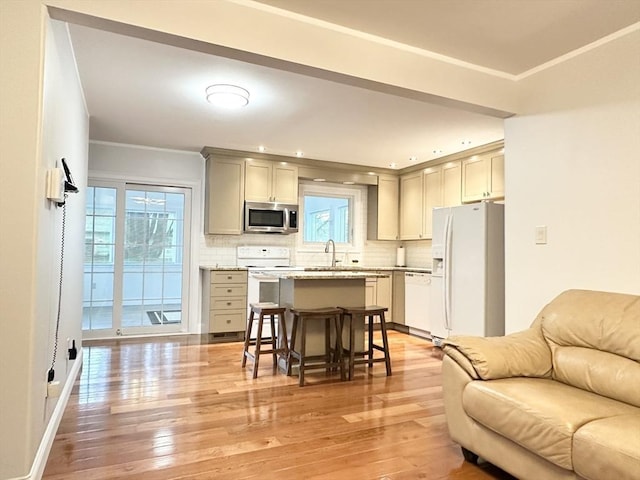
(559, 400)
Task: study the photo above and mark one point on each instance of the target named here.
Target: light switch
(541, 235)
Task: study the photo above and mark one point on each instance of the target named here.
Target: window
(330, 212)
(325, 218)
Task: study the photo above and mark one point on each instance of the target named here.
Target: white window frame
(355, 195)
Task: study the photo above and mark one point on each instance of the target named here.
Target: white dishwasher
(416, 300)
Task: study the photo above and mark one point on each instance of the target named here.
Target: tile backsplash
(221, 250)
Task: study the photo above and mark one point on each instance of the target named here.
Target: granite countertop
(330, 275)
(221, 267)
(345, 269)
(360, 268)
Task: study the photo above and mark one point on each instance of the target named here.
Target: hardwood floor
(180, 408)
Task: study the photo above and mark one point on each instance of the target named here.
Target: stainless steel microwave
(270, 218)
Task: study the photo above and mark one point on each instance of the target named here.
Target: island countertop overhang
(324, 275)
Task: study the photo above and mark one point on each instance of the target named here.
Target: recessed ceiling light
(371, 173)
(261, 148)
(393, 165)
(466, 142)
(437, 151)
(299, 154)
(227, 96)
(413, 159)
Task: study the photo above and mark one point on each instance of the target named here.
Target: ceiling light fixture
(466, 142)
(319, 179)
(299, 154)
(413, 159)
(261, 148)
(227, 96)
(437, 151)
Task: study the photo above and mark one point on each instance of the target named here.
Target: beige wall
(39, 126)
(578, 131)
(572, 164)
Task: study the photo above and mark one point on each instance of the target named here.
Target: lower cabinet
(378, 292)
(398, 297)
(224, 301)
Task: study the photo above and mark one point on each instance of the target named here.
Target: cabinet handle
(228, 303)
(228, 290)
(228, 321)
(229, 277)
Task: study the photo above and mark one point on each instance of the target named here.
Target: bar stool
(370, 311)
(332, 357)
(263, 310)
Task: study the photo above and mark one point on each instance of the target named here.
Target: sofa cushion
(604, 321)
(600, 372)
(608, 448)
(539, 414)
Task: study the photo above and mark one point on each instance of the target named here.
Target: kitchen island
(316, 289)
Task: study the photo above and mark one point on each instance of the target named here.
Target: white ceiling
(145, 93)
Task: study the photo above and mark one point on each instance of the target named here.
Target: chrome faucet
(333, 251)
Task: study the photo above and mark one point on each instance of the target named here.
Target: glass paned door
(149, 262)
(99, 258)
(153, 258)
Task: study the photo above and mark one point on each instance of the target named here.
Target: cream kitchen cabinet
(267, 181)
(378, 291)
(224, 301)
(224, 196)
(483, 177)
(398, 297)
(383, 209)
(411, 206)
(442, 186)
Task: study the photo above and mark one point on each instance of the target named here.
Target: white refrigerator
(467, 282)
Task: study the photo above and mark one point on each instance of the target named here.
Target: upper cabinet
(224, 196)
(382, 209)
(411, 206)
(267, 181)
(442, 185)
(421, 192)
(483, 177)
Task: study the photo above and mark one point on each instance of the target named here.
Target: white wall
(57, 126)
(573, 164)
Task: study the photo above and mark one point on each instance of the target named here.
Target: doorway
(136, 260)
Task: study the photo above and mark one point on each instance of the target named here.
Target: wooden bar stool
(332, 357)
(370, 311)
(278, 340)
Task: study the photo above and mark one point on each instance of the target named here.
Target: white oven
(263, 265)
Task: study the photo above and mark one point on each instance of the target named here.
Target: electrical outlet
(54, 389)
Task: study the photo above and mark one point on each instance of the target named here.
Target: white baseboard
(40, 460)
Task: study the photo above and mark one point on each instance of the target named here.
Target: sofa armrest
(522, 354)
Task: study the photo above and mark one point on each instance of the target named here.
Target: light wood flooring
(181, 408)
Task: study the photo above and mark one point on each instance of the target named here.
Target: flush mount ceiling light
(227, 96)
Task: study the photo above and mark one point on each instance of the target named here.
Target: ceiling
(145, 93)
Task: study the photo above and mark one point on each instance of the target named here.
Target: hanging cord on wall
(51, 373)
